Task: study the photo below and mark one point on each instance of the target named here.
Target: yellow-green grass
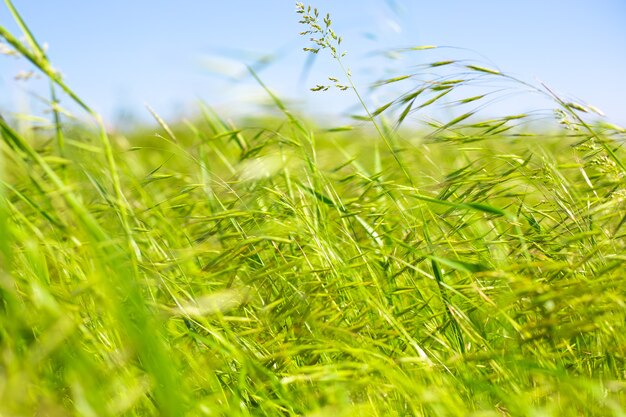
(463, 268)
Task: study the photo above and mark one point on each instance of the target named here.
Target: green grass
(468, 267)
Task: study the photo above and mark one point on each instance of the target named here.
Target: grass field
(470, 267)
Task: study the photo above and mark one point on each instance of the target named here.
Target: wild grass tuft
(467, 267)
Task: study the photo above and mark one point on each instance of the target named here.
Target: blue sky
(119, 55)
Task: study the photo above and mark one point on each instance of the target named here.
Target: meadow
(274, 266)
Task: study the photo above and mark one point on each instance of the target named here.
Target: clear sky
(119, 55)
